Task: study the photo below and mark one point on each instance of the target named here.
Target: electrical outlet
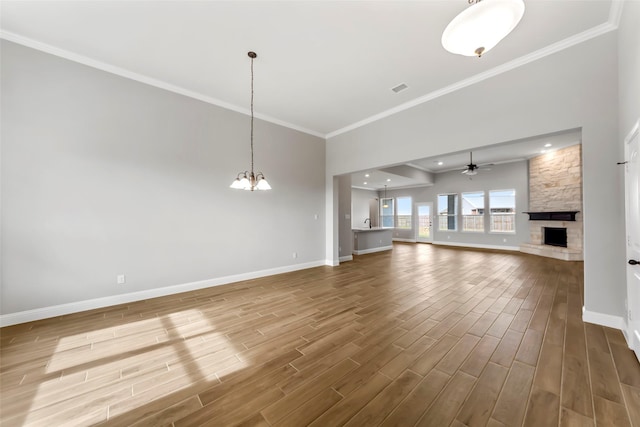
(295, 255)
(121, 279)
(315, 216)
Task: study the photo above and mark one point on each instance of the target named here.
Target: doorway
(424, 222)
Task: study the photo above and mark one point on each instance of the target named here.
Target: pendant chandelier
(481, 26)
(385, 203)
(248, 180)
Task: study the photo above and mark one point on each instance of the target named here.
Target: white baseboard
(75, 307)
(372, 250)
(332, 263)
(346, 258)
(477, 245)
(609, 320)
(398, 239)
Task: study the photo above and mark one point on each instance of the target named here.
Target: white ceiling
(322, 66)
(484, 157)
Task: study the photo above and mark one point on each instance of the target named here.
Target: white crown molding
(615, 13)
(78, 306)
(508, 66)
(90, 62)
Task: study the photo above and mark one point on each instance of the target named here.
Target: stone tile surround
(555, 184)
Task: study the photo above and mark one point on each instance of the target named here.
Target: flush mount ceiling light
(481, 26)
(248, 180)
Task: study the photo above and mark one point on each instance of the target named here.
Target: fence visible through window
(503, 223)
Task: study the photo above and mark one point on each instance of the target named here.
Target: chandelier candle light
(248, 180)
(481, 26)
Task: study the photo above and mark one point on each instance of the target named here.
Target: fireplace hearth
(554, 236)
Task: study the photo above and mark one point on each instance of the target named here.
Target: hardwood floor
(423, 335)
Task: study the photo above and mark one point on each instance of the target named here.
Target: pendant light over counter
(481, 26)
(248, 180)
(385, 204)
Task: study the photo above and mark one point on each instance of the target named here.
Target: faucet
(368, 219)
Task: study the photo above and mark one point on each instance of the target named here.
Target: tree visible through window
(502, 205)
(447, 211)
(473, 211)
(404, 213)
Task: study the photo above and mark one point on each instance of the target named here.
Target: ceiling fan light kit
(480, 27)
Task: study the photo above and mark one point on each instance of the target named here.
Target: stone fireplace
(555, 205)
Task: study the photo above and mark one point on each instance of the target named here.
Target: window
(502, 206)
(404, 213)
(386, 213)
(447, 211)
(473, 211)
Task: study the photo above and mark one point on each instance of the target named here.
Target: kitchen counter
(368, 240)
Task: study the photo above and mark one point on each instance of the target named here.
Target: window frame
(448, 215)
(480, 216)
(513, 214)
(397, 214)
(392, 215)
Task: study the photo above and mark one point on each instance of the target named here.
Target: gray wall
(567, 90)
(104, 176)
(500, 177)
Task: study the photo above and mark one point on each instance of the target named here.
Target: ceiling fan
(472, 168)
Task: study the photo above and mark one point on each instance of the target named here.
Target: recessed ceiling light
(548, 144)
(388, 179)
(366, 175)
(440, 163)
(365, 183)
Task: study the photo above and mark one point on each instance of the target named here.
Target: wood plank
(448, 403)
(626, 364)
(480, 356)
(604, 381)
(530, 347)
(543, 409)
(346, 408)
(611, 413)
(632, 399)
(307, 391)
(412, 408)
(510, 408)
(379, 407)
(507, 348)
(569, 418)
(478, 407)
